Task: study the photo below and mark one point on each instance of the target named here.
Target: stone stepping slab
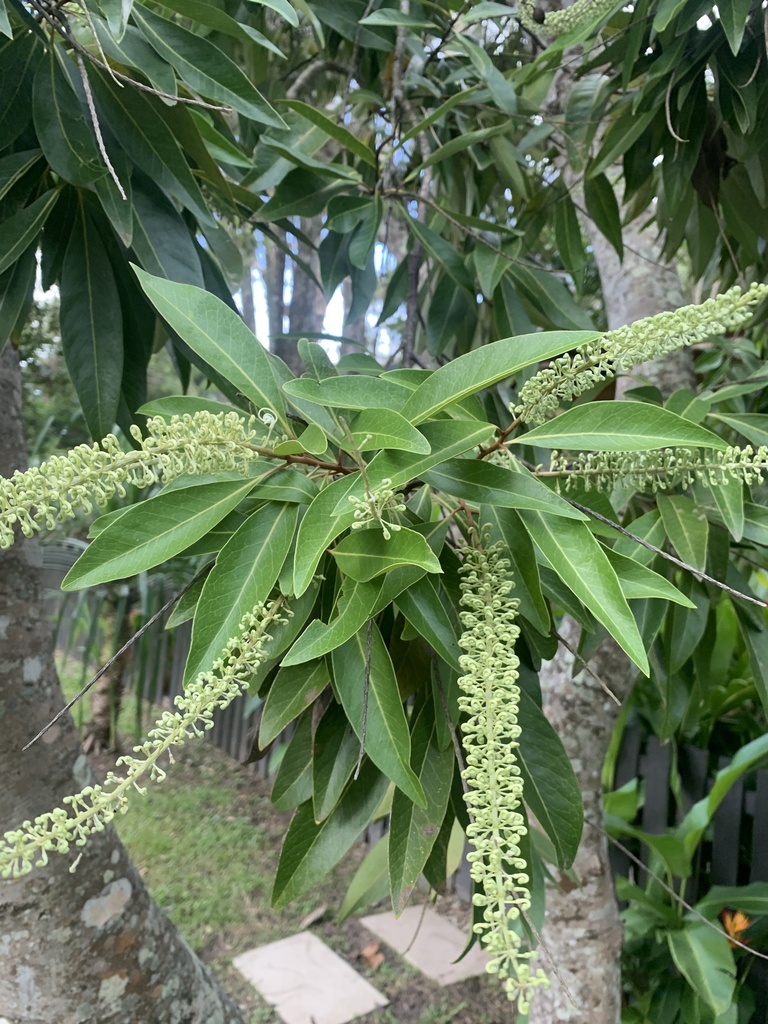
(307, 982)
(429, 942)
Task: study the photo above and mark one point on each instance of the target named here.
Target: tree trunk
(90, 946)
(582, 931)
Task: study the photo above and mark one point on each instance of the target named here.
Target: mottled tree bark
(582, 931)
(90, 946)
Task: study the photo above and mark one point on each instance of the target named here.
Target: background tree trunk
(582, 931)
(90, 946)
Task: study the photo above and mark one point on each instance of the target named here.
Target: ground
(207, 840)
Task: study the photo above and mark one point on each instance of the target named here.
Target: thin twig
(587, 667)
(670, 558)
(129, 643)
(97, 128)
(366, 688)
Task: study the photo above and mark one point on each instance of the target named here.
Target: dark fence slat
(759, 869)
(727, 834)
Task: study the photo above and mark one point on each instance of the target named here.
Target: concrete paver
(428, 941)
(307, 982)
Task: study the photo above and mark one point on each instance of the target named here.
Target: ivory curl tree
(385, 564)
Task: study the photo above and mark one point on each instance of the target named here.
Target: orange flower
(734, 923)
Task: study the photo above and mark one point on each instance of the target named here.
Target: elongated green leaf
(486, 366)
(92, 326)
(729, 498)
(602, 207)
(370, 883)
(638, 581)
(133, 50)
(425, 604)
(292, 691)
(18, 232)
(610, 427)
(550, 788)
(245, 572)
(692, 827)
(583, 566)
(365, 554)
(753, 426)
(62, 123)
(705, 960)
(217, 334)
(358, 603)
(336, 751)
(213, 17)
(18, 62)
(443, 252)
(137, 123)
(205, 68)
(293, 782)
(483, 483)
(149, 534)
(446, 438)
(317, 530)
(333, 130)
(549, 301)
(751, 899)
(14, 166)
(390, 16)
(16, 289)
(161, 240)
(568, 236)
(5, 24)
(311, 850)
(506, 527)
(387, 741)
(358, 392)
(648, 527)
(383, 428)
(734, 19)
(413, 830)
(686, 527)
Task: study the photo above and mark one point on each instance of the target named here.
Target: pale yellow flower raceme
(90, 475)
(490, 699)
(94, 807)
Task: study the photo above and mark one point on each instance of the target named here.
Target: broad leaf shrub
(364, 530)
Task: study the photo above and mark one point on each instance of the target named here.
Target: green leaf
(382, 428)
(317, 531)
(217, 334)
(336, 752)
(365, 554)
(481, 482)
(485, 367)
(182, 405)
(133, 50)
(387, 741)
(446, 438)
(615, 427)
(507, 527)
(729, 498)
(358, 603)
(602, 207)
(149, 534)
(207, 14)
(413, 830)
(753, 426)
(638, 581)
(293, 782)
(18, 232)
(370, 883)
(161, 240)
(333, 130)
(443, 252)
(693, 825)
(63, 126)
(582, 564)
(703, 957)
(311, 850)
(246, 569)
(205, 68)
(734, 18)
(546, 294)
(550, 788)
(686, 527)
(92, 325)
(490, 266)
(19, 59)
(352, 392)
(118, 207)
(424, 604)
(5, 24)
(16, 290)
(390, 16)
(117, 13)
(293, 690)
(14, 166)
(568, 236)
(751, 899)
(139, 126)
